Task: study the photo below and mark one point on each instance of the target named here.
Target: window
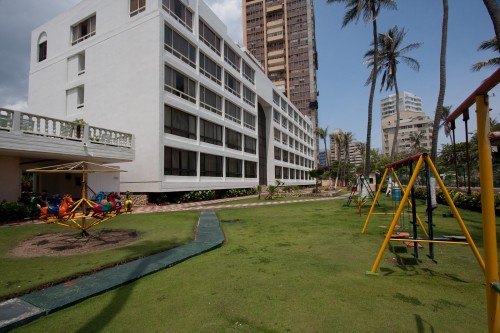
(276, 98)
(137, 6)
(177, 162)
(180, 85)
(210, 100)
(284, 105)
(210, 69)
(232, 112)
(231, 57)
(232, 85)
(210, 165)
(180, 12)
(233, 167)
(292, 174)
(233, 139)
(179, 123)
(209, 37)
(80, 99)
(277, 153)
(210, 132)
(277, 172)
(285, 156)
(277, 135)
(276, 116)
(285, 173)
(42, 51)
(248, 96)
(250, 145)
(179, 47)
(248, 72)
(249, 120)
(42, 47)
(81, 63)
(250, 169)
(83, 30)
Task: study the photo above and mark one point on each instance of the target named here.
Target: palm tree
(445, 124)
(416, 139)
(391, 53)
(490, 44)
(337, 140)
(323, 134)
(347, 138)
(493, 8)
(369, 9)
(442, 82)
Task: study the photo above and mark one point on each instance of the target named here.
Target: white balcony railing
(32, 124)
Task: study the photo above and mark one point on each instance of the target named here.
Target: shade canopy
(77, 167)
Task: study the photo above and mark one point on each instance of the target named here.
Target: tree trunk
(494, 10)
(442, 83)
(396, 130)
(366, 170)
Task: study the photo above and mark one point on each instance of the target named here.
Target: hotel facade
(202, 112)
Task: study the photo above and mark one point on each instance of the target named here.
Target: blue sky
(343, 96)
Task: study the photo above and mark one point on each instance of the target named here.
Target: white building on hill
(203, 114)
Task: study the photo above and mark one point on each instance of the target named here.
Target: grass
(157, 232)
(262, 200)
(296, 268)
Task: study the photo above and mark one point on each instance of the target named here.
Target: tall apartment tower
(280, 34)
(407, 102)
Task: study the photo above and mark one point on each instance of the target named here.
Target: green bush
(195, 196)
(12, 211)
(239, 192)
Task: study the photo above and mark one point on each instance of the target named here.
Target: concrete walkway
(24, 309)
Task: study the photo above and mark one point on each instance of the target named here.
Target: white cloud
(229, 11)
(18, 106)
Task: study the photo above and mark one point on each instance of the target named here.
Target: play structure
(428, 228)
(83, 214)
(489, 265)
(480, 98)
(362, 189)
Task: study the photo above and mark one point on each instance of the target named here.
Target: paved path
(24, 309)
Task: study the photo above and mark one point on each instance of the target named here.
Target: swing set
(489, 265)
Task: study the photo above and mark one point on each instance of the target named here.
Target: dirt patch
(65, 244)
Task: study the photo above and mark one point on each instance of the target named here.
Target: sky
(342, 74)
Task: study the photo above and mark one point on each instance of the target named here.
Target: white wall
(10, 178)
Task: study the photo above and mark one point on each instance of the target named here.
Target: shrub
(239, 192)
(12, 211)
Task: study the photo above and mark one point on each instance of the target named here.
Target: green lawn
(296, 268)
(156, 232)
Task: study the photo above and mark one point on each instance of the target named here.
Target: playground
(301, 272)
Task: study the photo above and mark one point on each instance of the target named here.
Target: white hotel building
(203, 114)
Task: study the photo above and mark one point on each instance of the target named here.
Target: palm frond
(495, 62)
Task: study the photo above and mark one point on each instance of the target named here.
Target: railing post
(16, 122)
(488, 216)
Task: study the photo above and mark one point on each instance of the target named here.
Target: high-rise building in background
(353, 155)
(407, 102)
(415, 127)
(280, 34)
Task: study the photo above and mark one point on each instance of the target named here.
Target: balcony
(274, 8)
(274, 24)
(278, 53)
(275, 61)
(276, 68)
(29, 135)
